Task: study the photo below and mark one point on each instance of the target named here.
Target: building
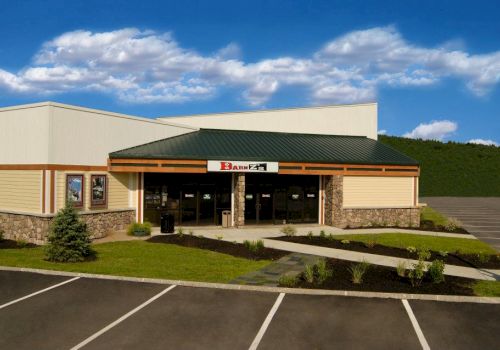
(303, 165)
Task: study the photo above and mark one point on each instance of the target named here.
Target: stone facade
(338, 216)
(35, 228)
(239, 199)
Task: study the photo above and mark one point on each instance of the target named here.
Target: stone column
(334, 198)
(239, 199)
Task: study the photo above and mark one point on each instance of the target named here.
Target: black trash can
(167, 223)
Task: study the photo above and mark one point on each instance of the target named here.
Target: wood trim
(346, 173)
(415, 192)
(150, 169)
(52, 191)
(60, 167)
(44, 189)
(139, 197)
(336, 165)
(157, 161)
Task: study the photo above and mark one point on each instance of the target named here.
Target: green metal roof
(215, 144)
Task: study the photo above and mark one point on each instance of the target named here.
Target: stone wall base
(34, 228)
(384, 217)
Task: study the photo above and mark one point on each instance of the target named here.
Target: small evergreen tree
(69, 240)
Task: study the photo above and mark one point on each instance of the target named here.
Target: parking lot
(60, 312)
(479, 215)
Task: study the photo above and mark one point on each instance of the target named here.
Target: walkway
(292, 264)
(480, 215)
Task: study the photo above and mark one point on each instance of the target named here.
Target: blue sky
(433, 67)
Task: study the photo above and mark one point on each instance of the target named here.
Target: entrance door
(207, 205)
(265, 207)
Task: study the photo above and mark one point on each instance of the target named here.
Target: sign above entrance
(230, 166)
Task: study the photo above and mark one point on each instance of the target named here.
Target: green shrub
(483, 258)
(411, 249)
(180, 231)
(358, 271)
(443, 253)
(436, 271)
(288, 281)
(401, 269)
(309, 274)
(137, 229)
(416, 274)
(345, 241)
(254, 246)
(371, 243)
(289, 231)
(21, 243)
(219, 237)
(322, 272)
(2, 235)
(68, 239)
(330, 237)
(191, 233)
(452, 224)
(310, 235)
(424, 254)
(322, 234)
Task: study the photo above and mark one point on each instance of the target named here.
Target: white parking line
(415, 324)
(266, 323)
(121, 319)
(39, 292)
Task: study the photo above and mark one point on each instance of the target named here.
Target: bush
(416, 274)
(443, 253)
(254, 246)
(310, 235)
(322, 234)
(180, 231)
(436, 271)
(330, 237)
(401, 269)
(21, 243)
(137, 229)
(219, 237)
(288, 281)
(411, 249)
(68, 240)
(371, 243)
(483, 258)
(309, 274)
(424, 254)
(452, 225)
(358, 271)
(289, 231)
(323, 272)
(345, 241)
(1, 235)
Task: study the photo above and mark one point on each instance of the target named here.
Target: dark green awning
(215, 144)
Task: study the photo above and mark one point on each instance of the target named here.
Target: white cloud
(147, 66)
(484, 142)
(382, 132)
(435, 130)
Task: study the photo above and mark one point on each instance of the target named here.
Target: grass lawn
(143, 259)
(403, 240)
(427, 213)
(487, 288)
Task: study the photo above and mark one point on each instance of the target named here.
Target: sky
(432, 66)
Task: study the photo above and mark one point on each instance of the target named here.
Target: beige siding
(357, 120)
(20, 190)
(118, 192)
(378, 191)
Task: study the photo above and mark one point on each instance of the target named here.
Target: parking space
(16, 285)
(480, 215)
(458, 325)
(107, 314)
(326, 322)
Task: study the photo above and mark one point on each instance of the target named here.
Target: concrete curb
(428, 297)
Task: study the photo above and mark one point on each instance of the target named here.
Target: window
(98, 190)
(74, 190)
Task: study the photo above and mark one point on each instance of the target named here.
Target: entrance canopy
(292, 154)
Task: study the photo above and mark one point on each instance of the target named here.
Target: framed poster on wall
(74, 190)
(98, 190)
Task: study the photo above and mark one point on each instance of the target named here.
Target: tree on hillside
(69, 240)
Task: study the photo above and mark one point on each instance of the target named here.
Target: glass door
(207, 205)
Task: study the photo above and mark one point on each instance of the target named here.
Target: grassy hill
(452, 169)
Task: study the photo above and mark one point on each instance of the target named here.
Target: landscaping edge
(428, 297)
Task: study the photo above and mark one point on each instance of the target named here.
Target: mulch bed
(234, 249)
(425, 225)
(385, 279)
(467, 260)
(11, 244)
